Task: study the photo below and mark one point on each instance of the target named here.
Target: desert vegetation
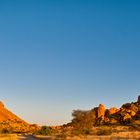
(98, 122)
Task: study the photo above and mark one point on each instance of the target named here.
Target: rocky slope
(9, 122)
(127, 113)
(5, 114)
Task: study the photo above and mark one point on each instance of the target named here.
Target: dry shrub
(104, 131)
(82, 131)
(134, 128)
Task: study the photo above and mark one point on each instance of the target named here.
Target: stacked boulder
(129, 112)
(101, 112)
(126, 114)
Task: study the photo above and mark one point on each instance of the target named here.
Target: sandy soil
(116, 136)
(28, 137)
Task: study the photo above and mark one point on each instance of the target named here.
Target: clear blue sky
(60, 55)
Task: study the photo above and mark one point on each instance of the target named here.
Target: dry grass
(110, 133)
(104, 131)
(129, 135)
(8, 137)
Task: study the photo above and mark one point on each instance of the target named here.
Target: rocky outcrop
(13, 123)
(101, 111)
(127, 113)
(5, 114)
(126, 117)
(112, 110)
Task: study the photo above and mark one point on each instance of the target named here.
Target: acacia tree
(83, 121)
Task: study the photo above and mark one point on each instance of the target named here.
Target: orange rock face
(132, 113)
(127, 116)
(112, 110)
(127, 113)
(12, 122)
(101, 111)
(113, 121)
(5, 114)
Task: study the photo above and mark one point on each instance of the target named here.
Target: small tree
(45, 130)
(83, 121)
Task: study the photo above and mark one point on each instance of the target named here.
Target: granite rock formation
(126, 114)
(12, 123)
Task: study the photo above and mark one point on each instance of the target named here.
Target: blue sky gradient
(56, 56)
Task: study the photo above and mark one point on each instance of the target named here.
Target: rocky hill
(9, 122)
(5, 114)
(128, 113)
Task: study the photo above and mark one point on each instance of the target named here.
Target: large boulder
(101, 111)
(112, 110)
(113, 121)
(126, 106)
(132, 113)
(134, 108)
(126, 117)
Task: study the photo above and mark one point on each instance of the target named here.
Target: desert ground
(120, 136)
(116, 136)
(98, 123)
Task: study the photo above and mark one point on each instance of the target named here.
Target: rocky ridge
(126, 114)
(9, 122)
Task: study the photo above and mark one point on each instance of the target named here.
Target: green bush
(45, 130)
